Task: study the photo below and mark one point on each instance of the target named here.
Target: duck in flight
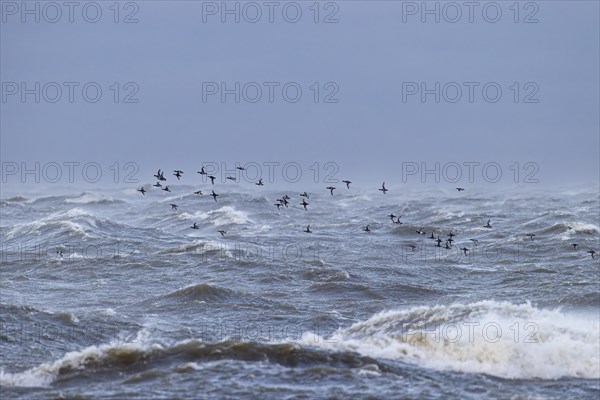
(347, 184)
(447, 246)
(331, 189)
(173, 206)
(366, 229)
(432, 237)
(420, 231)
(307, 230)
(460, 189)
(283, 201)
(530, 235)
(591, 252)
(392, 216)
(157, 185)
(475, 241)
(202, 171)
(397, 221)
(383, 189)
(199, 192)
(464, 249)
(232, 178)
(488, 224)
(166, 189)
(304, 204)
(222, 232)
(195, 226)
(142, 191)
(160, 176)
(278, 205)
(259, 183)
(439, 242)
(241, 168)
(178, 174)
(305, 195)
(214, 195)
(574, 246)
(212, 179)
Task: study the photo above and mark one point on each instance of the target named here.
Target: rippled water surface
(141, 305)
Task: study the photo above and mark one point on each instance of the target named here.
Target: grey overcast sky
(369, 74)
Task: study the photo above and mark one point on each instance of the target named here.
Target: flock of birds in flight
(285, 199)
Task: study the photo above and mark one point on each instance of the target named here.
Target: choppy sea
(111, 294)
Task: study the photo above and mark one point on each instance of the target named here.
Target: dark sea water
(140, 305)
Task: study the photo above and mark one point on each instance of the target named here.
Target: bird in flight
(142, 191)
(331, 189)
(157, 185)
(214, 195)
(347, 184)
(232, 178)
(591, 252)
(202, 171)
(195, 226)
(574, 246)
(222, 232)
(420, 231)
(304, 204)
(460, 189)
(173, 206)
(166, 189)
(307, 230)
(488, 224)
(160, 176)
(212, 179)
(199, 192)
(177, 173)
(259, 183)
(383, 189)
(530, 235)
(305, 195)
(283, 201)
(464, 249)
(366, 229)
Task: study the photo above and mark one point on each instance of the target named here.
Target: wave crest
(496, 338)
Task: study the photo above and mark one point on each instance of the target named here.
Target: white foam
(578, 228)
(86, 198)
(584, 227)
(229, 215)
(496, 338)
(197, 215)
(45, 374)
(108, 312)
